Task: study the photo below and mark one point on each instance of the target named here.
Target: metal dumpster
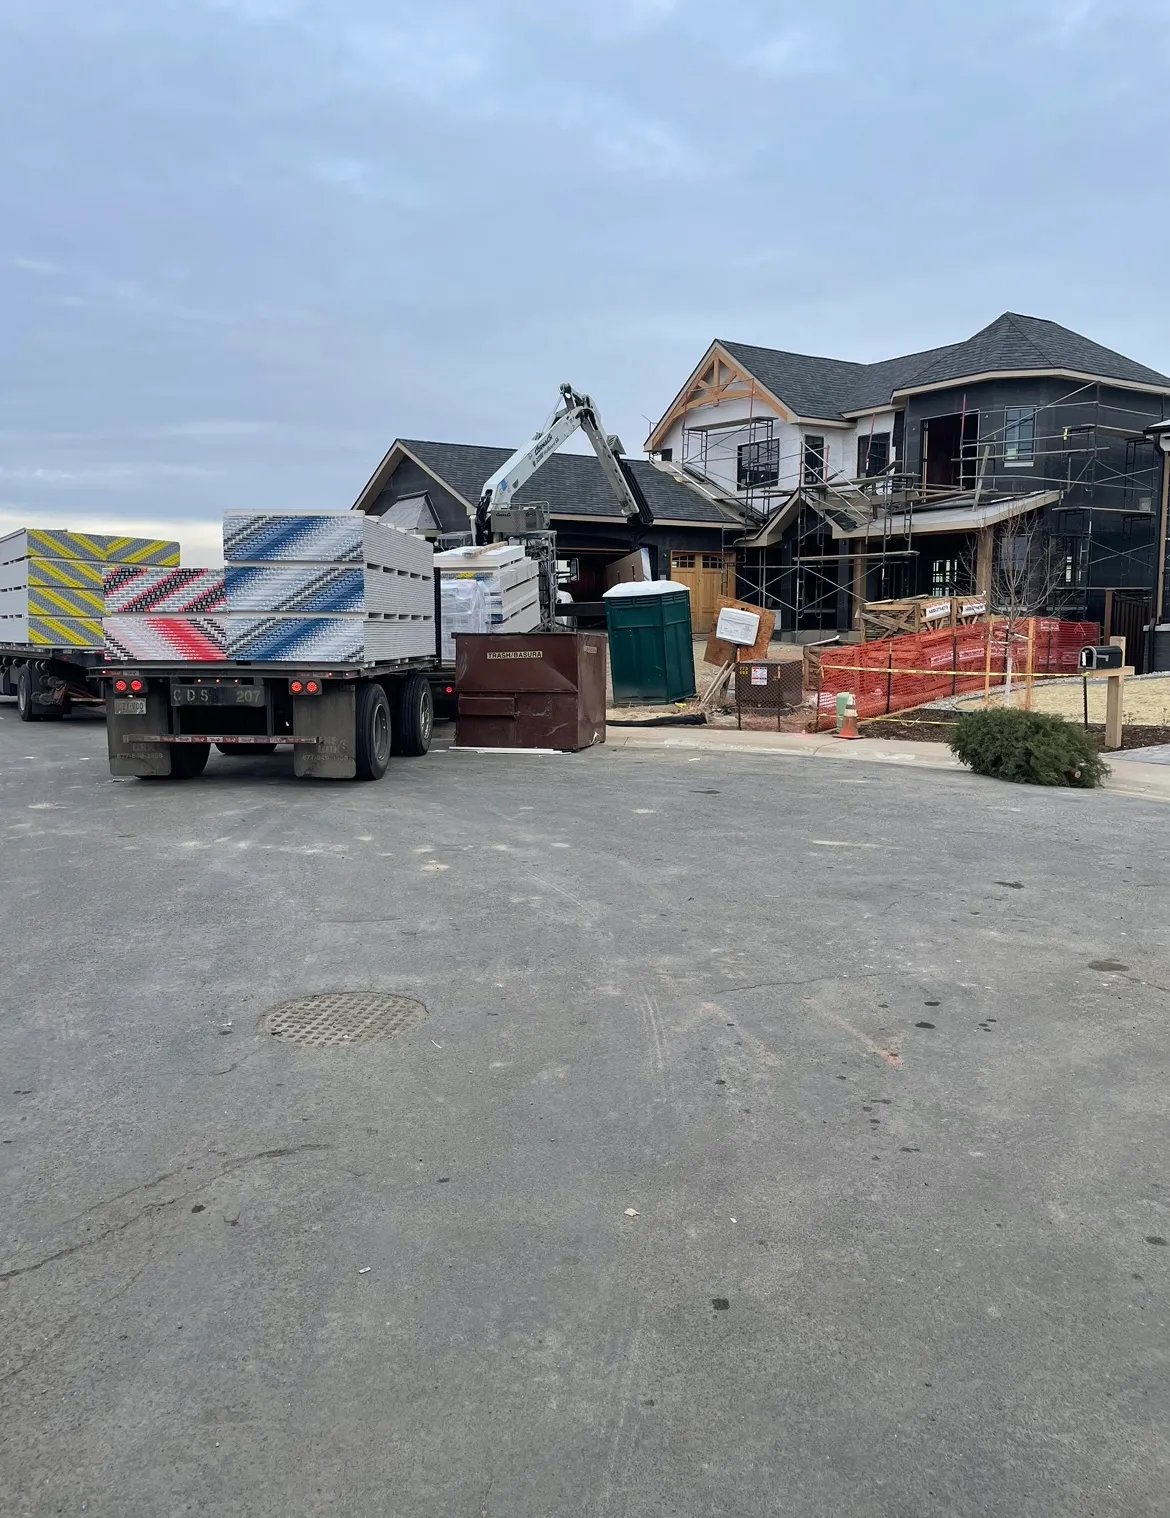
(530, 690)
(650, 648)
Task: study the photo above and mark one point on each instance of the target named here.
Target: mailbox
(1110, 656)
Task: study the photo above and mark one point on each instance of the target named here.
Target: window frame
(807, 450)
(757, 476)
(865, 469)
(1014, 444)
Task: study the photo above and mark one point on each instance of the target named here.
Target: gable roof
(572, 483)
(831, 388)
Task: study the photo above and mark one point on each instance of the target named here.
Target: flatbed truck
(49, 682)
(343, 721)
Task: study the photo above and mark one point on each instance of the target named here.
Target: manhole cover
(338, 1018)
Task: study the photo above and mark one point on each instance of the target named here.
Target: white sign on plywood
(739, 627)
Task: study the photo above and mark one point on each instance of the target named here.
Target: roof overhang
(777, 524)
(398, 451)
(1144, 387)
(959, 518)
(716, 379)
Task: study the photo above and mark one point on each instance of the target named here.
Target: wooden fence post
(1028, 672)
(987, 664)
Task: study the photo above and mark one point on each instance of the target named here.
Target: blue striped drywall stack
(330, 585)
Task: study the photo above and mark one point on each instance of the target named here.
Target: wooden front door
(707, 576)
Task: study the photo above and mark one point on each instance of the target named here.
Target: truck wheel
(25, 708)
(245, 750)
(188, 760)
(372, 732)
(415, 714)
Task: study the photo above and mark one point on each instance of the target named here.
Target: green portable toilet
(651, 657)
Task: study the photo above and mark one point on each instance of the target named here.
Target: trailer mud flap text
(130, 753)
(329, 719)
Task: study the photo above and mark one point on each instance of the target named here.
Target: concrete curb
(1143, 782)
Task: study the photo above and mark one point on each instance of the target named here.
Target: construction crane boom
(573, 411)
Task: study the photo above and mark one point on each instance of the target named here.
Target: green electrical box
(651, 655)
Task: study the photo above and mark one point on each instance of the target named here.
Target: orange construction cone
(847, 728)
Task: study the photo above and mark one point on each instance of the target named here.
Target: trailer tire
(26, 708)
(372, 732)
(245, 750)
(188, 760)
(414, 716)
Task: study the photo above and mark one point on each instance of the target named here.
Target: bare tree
(1028, 574)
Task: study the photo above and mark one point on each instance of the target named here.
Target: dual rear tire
(396, 722)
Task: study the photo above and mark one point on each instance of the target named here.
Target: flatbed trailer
(343, 721)
(48, 682)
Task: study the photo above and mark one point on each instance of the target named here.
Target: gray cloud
(244, 243)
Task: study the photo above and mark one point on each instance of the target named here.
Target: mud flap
(129, 755)
(330, 719)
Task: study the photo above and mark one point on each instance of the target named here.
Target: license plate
(130, 706)
(218, 695)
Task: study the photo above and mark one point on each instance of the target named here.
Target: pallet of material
(340, 640)
(328, 589)
(322, 537)
(131, 590)
(51, 632)
(167, 638)
(88, 547)
(338, 586)
(51, 583)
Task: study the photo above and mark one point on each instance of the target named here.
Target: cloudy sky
(246, 243)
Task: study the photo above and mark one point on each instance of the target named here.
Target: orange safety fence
(895, 674)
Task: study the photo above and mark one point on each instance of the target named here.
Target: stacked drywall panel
(164, 614)
(337, 586)
(51, 583)
(509, 579)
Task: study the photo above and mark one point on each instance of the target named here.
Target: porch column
(983, 560)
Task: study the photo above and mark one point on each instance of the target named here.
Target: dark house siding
(408, 479)
(1087, 445)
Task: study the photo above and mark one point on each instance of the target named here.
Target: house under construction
(917, 475)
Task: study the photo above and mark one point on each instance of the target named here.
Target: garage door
(707, 576)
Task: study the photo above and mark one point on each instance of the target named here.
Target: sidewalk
(1148, 782)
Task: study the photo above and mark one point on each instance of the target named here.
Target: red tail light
(312, 687)
(296, 686)
(120, 685)
(136, 685)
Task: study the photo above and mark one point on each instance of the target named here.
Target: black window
(758, 464)
(873, 454)
(1019, 434)
(944, 576)
(666, 455)
(814, 459)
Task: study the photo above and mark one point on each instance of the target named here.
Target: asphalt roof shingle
(828, 387)
(573, 484)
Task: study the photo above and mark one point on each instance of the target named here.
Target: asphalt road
(839, 1035)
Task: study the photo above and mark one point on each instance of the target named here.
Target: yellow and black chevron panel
(56, 601)
(71, 574)
(65, 632)
(142, 551)
(100, 548)
(55, 544)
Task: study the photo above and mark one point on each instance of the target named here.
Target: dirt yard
(1146, 700)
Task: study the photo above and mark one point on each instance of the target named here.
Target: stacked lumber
(510, 582)
(337, 586)
(51, 583)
